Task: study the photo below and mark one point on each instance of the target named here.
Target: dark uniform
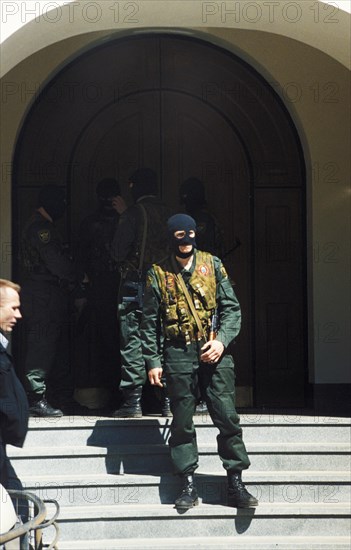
(97, 343)
(50, 274)
(140, 234)
(166, 306)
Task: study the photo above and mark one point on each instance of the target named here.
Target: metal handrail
(54, 517)
(52, 522)
(37, 523)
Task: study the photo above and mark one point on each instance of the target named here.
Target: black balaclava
(181, 222)
(143, 182)
(106, 189)
(53, 199)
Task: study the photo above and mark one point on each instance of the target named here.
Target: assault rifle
(135, 289)
(214, 325)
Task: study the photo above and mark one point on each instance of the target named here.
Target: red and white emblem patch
(203, 269)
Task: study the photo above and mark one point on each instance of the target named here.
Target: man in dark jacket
(13, 399)
(139, 241)
(50, 275)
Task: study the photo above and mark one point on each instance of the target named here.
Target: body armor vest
(156, 245)
(178, 320)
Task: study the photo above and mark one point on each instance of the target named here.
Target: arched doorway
(187, 108)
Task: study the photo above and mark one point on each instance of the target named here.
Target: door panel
(279, 305)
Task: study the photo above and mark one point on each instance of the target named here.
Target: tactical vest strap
(188, 299)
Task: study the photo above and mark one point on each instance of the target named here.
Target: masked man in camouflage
(191, 359)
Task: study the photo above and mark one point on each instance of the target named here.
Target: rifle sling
(188, 298)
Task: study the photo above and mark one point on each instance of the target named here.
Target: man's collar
(3, 340)
(190, 268)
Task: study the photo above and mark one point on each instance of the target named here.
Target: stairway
(113, 481)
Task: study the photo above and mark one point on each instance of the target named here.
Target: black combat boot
(188, 497)
(165, 407)
(201, 408)
(238, 496)
(41, 407)
(131, 407)
(165, 404)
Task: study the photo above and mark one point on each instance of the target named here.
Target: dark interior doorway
(187, 108)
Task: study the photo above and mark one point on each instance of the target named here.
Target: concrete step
(108, 489)
(212, 543)
(96, 431)
(102, 473)
(162, 521)
(156, 458)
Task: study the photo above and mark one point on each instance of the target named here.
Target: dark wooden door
(279, 325)
(186, 108)
(179, 137)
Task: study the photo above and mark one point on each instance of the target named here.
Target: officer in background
(50, 275)
(209, 236)
(139, 241)
(184, 294)
(97, 340)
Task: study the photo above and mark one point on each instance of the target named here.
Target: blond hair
(9, 284)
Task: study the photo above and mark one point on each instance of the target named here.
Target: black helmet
(143, 182)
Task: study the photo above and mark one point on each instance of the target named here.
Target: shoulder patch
(224, 273)
(44, 235)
